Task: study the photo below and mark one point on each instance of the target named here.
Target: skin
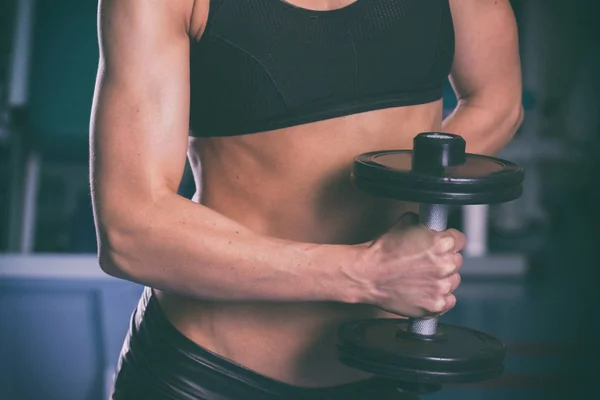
(278, 248)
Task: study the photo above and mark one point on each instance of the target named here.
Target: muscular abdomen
(294, 184)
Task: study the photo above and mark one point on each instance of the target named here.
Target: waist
(290, 342)
(157, 360)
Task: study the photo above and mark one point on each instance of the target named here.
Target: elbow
(507, 117)
(516, 117)
(492, 119)
(508, 121)
(126, 228)
(117, 244)
(508, 113)
(110, 262)
(112, 256)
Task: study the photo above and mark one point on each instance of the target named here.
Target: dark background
(59, 332)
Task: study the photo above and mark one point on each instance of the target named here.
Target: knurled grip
(435, 217)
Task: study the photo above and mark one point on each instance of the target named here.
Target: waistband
(158, 361)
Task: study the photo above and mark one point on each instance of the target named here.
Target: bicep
(139, 121)
(487, 51)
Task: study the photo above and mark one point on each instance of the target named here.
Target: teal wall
(63, 71)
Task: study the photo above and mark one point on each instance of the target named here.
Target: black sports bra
(267, 64)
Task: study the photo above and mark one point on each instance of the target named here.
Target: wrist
(323, 273)
(350, 265)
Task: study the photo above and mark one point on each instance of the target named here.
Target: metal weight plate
(387, 348)
(479, 180)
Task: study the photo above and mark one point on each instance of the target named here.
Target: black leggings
(159, 362)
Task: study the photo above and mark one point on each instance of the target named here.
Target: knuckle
(458, 260)
(446, 268)
(443, 287)
(450, 302)
(459, 236)
(437, 306)
(445, 242)
(449, 287)
(458, 279)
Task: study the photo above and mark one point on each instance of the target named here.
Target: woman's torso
(293, 183)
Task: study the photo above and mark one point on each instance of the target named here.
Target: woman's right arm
(149, 234)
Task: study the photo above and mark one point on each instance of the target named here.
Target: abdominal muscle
(294, 184)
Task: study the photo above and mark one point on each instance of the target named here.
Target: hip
(159, 361)
(294, 343)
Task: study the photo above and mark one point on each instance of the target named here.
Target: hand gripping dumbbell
(421, 354)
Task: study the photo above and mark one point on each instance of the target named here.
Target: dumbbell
(422, 354)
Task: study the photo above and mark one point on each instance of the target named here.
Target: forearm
(183, 247)
(486, 127)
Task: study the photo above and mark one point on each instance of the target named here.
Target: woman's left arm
(486, 75)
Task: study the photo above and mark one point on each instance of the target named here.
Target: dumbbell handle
(435, 217)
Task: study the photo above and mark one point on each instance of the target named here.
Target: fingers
(454, 283)
(447, 286)
(450, 240)
(448, 265)
(450, 303)
(440, 306)
(449, 298)
(442, 299)
(458, 260)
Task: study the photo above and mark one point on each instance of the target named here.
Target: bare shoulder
(183, 16)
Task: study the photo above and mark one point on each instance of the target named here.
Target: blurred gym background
(530, 275)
